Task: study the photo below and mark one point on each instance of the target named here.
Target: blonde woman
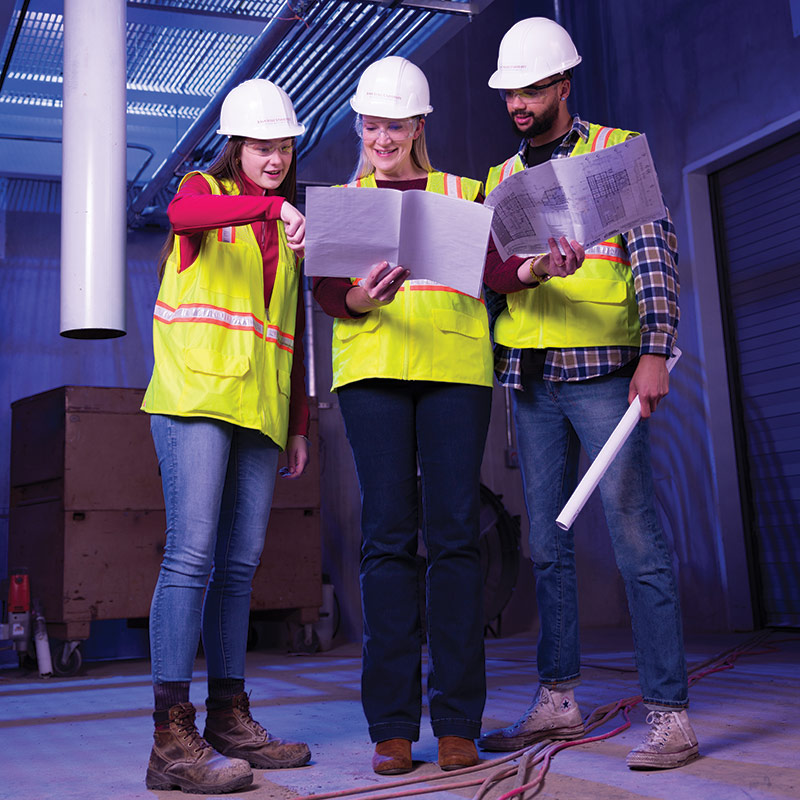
(412, 366)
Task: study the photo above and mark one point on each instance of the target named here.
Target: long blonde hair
(227, 167)
(419, 154)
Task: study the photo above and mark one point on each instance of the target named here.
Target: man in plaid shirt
(577, 350)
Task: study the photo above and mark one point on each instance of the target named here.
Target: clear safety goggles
(267, 149)
(528, 94)
(397, 130)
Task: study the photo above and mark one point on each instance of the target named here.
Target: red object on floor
(19, 593)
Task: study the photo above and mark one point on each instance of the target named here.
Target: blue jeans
(553, 420)
(218, 480)
(391, 424)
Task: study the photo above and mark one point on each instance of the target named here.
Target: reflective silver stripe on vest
(426, 282)
(283, 340)
(608, 250)
(196, 312)
(452, 185)
(603, 133)
(508, 168)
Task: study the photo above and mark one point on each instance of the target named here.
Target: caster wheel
(305, 640)
(66, 662)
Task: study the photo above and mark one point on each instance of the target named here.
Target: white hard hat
(258, 109)
(533, 49)
(393, 88)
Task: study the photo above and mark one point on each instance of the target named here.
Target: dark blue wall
(696, 77)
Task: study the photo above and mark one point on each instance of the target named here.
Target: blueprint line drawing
(587, 198)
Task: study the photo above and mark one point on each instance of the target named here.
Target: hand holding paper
(377, 289)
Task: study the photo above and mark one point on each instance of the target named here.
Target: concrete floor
(88, 737)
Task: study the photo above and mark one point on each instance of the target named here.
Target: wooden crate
(87, 513)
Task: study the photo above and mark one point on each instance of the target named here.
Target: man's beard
(542, 123)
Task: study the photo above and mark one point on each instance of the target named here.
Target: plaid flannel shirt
(653, 253)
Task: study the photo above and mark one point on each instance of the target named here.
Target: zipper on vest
(407, 312)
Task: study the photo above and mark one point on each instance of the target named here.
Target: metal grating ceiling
(38, 55)
(181, 54)
(181, 61)
(243, 9)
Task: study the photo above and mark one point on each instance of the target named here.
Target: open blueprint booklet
(587, 198)
(438, 238)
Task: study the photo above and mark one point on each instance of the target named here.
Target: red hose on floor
(544, 751)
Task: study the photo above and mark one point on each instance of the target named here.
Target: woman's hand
(294, 223)
(297, 456)
(377, 289)
(553, 264)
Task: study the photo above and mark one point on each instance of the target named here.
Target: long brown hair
(227, 167)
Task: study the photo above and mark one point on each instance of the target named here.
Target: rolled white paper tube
(604, 458)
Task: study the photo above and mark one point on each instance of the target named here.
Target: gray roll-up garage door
(757, 222)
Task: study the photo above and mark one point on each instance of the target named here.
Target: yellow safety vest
(429, 332)
(594, 307)
(218, 352)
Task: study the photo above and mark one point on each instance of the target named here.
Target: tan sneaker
(551, 715)
(233, 732)
(182, 759)
(669, 743)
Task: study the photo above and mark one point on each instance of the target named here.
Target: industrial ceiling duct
(93, 183)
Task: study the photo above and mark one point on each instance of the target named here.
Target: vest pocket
(595, 313)
(594, 290)
(229, 268)
(212, 362)
(214, 383)
(346, 329)
(450, 321)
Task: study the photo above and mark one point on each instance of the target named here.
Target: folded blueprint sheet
(438, 238)
(587, 198)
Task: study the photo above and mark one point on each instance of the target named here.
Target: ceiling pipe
(266, 42)
(93, 172)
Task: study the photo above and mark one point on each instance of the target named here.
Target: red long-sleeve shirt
(194, 209)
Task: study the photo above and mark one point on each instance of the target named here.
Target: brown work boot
(181, 759)
(392, 757)
(233, 732)
(455, 752)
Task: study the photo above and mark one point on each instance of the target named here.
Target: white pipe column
(93, 182)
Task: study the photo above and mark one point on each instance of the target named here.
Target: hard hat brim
(519, 78)
(388, 111)
(256, 133)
